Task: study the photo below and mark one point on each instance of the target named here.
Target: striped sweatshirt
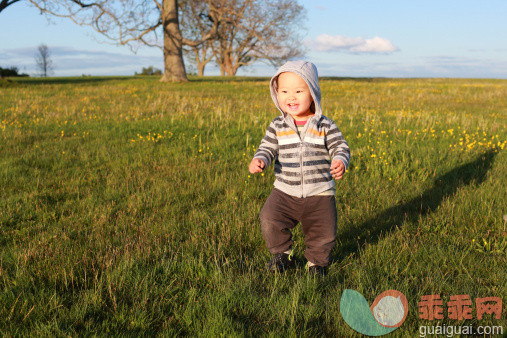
(302, 160)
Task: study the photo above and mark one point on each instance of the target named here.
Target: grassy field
(126, 205)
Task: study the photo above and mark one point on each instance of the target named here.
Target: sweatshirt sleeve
(268, 148)
(337, 146)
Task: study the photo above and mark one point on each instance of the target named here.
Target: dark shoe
(316, 270)
(281, 262)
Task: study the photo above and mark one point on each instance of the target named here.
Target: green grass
(126, 206)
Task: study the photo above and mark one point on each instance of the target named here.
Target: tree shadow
(445, 186)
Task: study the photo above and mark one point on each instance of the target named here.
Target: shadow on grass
(444, 187)
(257, 325)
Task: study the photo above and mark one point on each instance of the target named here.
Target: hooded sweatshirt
(302, 160)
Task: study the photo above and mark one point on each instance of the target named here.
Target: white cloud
(327, 43)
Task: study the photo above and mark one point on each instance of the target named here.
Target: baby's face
(294, 96)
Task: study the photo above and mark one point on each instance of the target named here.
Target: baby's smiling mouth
(293, 106)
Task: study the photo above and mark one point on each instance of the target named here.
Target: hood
(308, 72)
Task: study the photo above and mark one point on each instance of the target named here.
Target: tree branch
(5, 3)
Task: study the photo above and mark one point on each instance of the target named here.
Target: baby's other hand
(337, 169)
(256, 166)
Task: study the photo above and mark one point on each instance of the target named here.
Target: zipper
(301, 146)
(301, 153)
(301, 166)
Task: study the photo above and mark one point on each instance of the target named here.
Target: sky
(354, 38)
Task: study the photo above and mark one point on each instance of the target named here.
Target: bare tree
(6, 3)
(202, 54)
(250, 30)
(265, 30)
(43, 60)
(195, 25)
(135, 23)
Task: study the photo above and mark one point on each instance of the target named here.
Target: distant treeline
(12, 71)
(150, 71)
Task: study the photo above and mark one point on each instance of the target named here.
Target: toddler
(308, 150)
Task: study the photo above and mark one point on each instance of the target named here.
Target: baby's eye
(299, 91)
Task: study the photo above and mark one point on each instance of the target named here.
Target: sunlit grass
(126, 205)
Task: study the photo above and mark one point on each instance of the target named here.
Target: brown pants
(317, 215)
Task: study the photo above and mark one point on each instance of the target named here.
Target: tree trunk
(200, 64)
(174, 68)
(230, 69)
(200, 68)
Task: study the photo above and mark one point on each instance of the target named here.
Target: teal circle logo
(386, 314)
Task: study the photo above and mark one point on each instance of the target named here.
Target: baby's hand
(256, 166)
(337, 169)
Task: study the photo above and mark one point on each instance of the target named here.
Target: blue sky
(359, 38)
